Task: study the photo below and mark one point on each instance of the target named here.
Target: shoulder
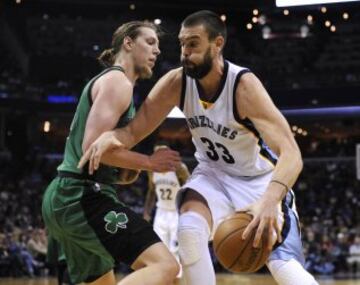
(111, 85)
(242, 76)
(248, 80)
(115, 79)
(251, 97)
(248, 85)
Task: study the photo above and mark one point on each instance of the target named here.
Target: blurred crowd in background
(306, 58)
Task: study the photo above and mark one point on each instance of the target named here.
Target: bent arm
(253, 102)
(108, 148)
(111, 97)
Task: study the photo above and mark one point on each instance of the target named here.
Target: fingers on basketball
(237, 254)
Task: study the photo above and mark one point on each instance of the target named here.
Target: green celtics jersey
(73, 147)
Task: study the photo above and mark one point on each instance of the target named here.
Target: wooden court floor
(222, 279)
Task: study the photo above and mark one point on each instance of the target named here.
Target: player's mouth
(152, 62)
(187, 64)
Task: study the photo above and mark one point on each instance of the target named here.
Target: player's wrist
(274, 193)
(283, 187)
(147, 163)
(123, 136)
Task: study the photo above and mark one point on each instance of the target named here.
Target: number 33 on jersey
(222, 139)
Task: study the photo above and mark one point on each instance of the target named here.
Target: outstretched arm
(111, 96)
(163, 97)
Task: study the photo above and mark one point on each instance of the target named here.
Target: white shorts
(226, 194)
(165, 225)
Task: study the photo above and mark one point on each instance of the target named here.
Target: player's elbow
(291, 155)
(296, 158)
(299, 164)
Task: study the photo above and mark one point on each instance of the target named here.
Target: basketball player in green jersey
(82, 211)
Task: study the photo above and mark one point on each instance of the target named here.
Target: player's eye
(193, 44)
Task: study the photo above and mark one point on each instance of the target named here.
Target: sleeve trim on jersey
(264, 149)
(89, 93)
(237, 80)
(118, 68)
(125, 113)
(183, 90)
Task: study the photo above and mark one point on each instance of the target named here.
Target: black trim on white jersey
(237, 79)
(264, 149)
(220, 88)
(183, 90)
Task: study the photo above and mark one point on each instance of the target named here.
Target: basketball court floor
(222, 279)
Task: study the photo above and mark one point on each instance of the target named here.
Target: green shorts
(95, 230)
(54, 254)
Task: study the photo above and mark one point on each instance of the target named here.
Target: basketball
(234, 253)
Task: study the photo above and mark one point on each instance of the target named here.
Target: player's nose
(157, 51)
(185, 52)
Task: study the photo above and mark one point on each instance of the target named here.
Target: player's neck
(210, 83)
(128, 67)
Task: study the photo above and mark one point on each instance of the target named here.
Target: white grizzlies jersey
(166, 187)
(222, 139)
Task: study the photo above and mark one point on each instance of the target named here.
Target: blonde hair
(129, 29)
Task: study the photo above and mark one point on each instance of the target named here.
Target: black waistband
(82, 176)
(68, 174)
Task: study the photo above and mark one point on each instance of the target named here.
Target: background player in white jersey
(230, 116)
(163, 188)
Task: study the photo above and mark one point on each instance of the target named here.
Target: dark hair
(214, 26)
(129, 29)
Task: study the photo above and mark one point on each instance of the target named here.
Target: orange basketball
(234, 253)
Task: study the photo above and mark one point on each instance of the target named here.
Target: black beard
(201, 70)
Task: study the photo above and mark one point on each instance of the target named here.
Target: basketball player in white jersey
(163, 187)
(248, 158)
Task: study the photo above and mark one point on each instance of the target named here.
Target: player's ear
(219, 43)
(127, 43)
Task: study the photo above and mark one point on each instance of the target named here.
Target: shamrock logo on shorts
(114, 221)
